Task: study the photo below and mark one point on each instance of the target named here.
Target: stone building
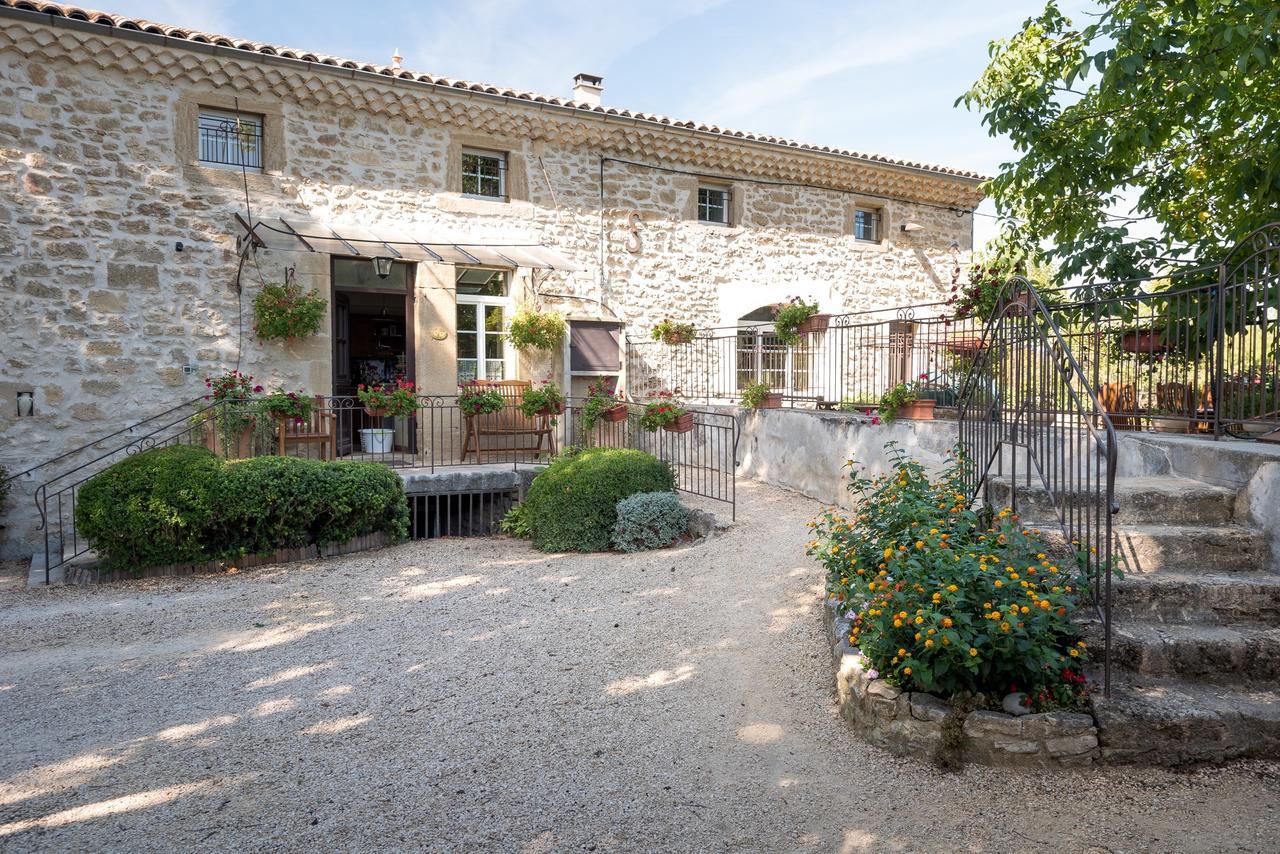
(135, 156)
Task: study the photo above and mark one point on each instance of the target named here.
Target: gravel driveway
(478, 695)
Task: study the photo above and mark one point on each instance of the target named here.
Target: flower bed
(944, 600)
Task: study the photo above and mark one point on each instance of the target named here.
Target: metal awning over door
(289, 234)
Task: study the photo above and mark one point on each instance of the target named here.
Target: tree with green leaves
(1174, 105)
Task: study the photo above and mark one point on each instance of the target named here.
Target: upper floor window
(484, 173)
(226, 138)
(866, 225)
(713, 205)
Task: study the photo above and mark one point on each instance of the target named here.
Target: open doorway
(372, 345)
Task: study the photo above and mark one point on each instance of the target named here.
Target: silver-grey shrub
(649, 520)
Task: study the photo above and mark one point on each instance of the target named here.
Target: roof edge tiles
(126, 24)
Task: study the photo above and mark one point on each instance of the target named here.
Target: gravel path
(477, 695)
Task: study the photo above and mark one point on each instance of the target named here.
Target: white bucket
(375, 441)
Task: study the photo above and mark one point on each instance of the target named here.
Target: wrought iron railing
(848, 360)
(437, 435)
(230, 141)
(1032, 432)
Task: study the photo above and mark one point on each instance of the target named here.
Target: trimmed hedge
(649, 520)
(572, 505)
(182, 505)
(150, 509)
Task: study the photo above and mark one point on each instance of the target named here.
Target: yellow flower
(999, 583)
(1026, 610)
(1081, 644)
(906, 671)
(973, 652)
(919, 620)
(952, 588)
(1004, 627)
(946, 622)
(902, 652)
(919, 544)
(897, 624)
(1075, 653)
(929, 644)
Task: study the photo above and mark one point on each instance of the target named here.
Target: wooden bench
(509, 421)
(320, 428)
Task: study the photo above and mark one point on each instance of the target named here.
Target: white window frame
(230, 143)
(877, 215)
(480, 301)
(727, 192)
(500, 156)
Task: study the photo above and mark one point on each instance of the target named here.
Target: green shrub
(183, 504)
(516, 523)
(572, 505)
(649, 520)
(948, 600)
(150, 509)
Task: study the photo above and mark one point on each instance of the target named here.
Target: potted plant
(396, 399)
(228, 425)
(671, 332)
(1147, 341)
(286, 312)
(540, 330)
(1168, 421)
(760, 396)
(286, 406)
(478, 400)
(666, 412)
(796, 317)
(602, 404)
(904, 401)
(546, 400)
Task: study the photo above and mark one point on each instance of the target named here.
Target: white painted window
(866, 225)
(713, 205)
(483, 304)
(226, 138)
(484, 173)
(762, 358)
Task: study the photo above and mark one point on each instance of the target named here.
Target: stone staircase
(1195, 625)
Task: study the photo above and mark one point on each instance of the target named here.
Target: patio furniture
(319, 428)
(508, 422)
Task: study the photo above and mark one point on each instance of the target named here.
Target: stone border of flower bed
(911, 722)
(88, 573)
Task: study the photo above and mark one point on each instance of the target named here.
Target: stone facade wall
(108, 322)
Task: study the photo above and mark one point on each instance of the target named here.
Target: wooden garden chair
(320, 428)
(507, 422)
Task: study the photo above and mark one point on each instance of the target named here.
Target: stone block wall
(109, 322)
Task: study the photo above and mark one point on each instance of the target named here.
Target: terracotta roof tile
(187, 34)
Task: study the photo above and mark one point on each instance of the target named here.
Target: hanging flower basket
(616, 413)
(814, 323)
(682, 424)
(964, 346)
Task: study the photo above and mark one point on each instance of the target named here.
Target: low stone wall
(806, 451)
(911, 722)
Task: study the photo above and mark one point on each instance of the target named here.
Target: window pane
(493, 318)
(494, 369)
(230, 139)
(489, 283)
(466, 317)
(466, 345)
(466, 370)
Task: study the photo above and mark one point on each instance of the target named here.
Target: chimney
(587, 89)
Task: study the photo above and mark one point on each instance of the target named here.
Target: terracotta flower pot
(376, 411)
(964, 346)
(814, 323)
(683, 424)
(552, 410)
(616, 413)
(240, 450)
(918, 410)
(1145, 341)
(1021, 304)
(772, 400)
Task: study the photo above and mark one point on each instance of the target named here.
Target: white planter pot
(374, 441)
(1162, 424)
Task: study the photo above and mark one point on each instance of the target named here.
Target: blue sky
(871, 75)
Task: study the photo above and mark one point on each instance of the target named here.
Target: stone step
(1165, 500)
(1166, 721)
(1147, 548)
(1214, 598)
(1192, 650)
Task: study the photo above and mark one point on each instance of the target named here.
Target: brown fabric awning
(290, 234)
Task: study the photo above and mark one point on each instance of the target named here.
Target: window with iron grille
(866, 225)
(233, 139)
(484, 174)
(713, 205)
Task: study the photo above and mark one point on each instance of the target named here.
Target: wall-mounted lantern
(382, 266)
(26, 404)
